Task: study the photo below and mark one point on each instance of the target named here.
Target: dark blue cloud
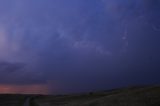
(80, 44)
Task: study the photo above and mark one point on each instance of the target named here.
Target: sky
(73, 46)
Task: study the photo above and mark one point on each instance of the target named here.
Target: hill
(134, 96)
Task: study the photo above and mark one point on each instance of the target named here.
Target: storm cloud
(79, 45)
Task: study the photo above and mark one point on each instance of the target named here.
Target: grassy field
(134, 96)
(12, 99)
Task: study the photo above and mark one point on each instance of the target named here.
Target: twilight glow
(24, 89)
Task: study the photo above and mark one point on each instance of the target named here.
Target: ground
(132, 96)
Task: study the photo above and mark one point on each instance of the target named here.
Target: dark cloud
(79, 44)
(17, 74)
(10, 67)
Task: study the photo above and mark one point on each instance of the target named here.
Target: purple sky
(79, 45)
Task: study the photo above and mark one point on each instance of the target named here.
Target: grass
(12, 100)
(133, 96)
(32, 102)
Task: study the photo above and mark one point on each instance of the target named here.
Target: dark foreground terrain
(134, 96)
